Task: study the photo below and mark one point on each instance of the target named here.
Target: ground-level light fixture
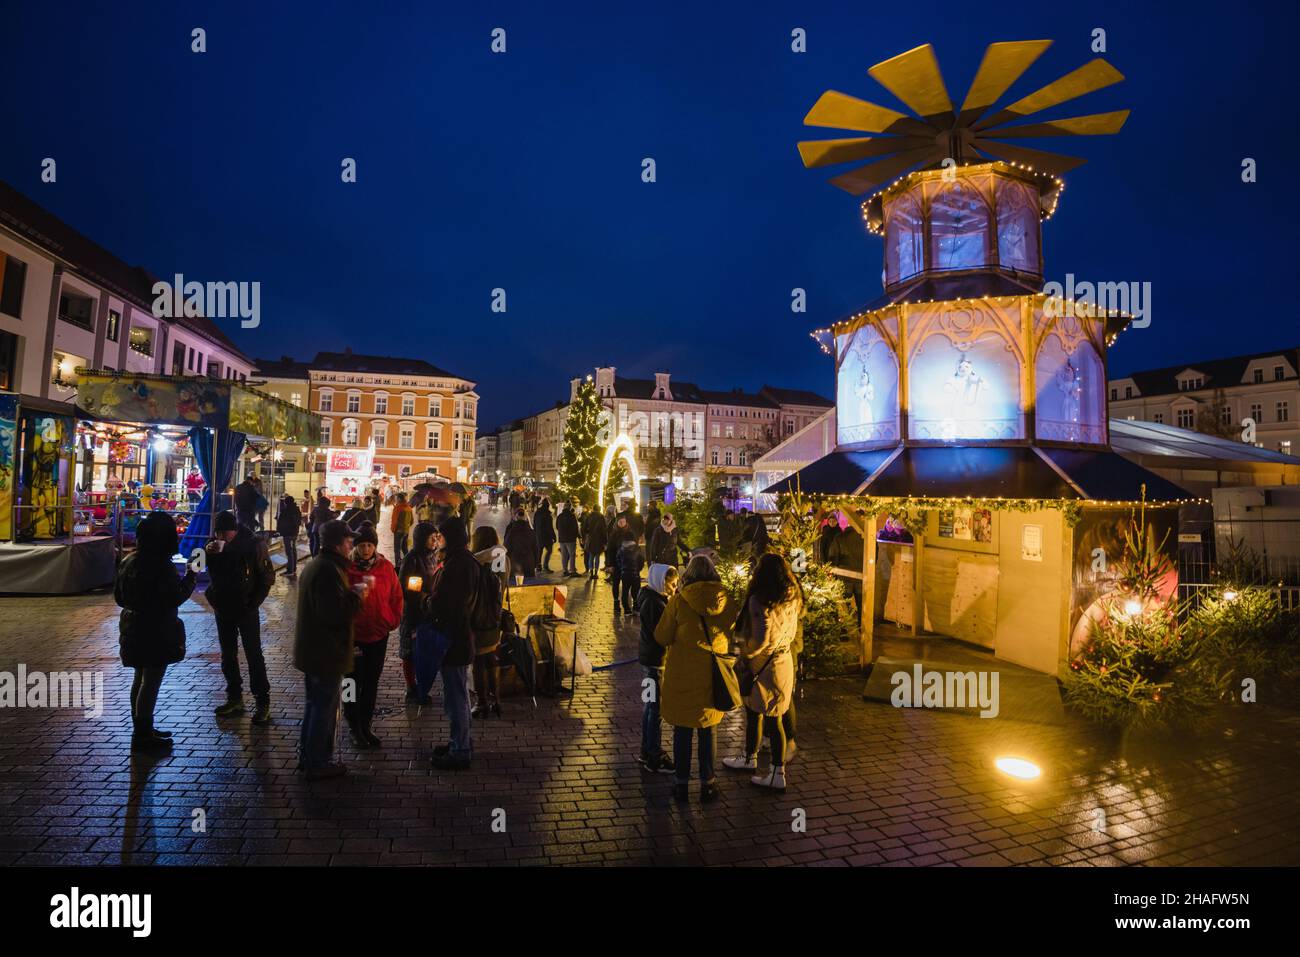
(1018, 768)
(1229, 595)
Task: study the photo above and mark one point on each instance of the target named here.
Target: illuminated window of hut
(959, 225)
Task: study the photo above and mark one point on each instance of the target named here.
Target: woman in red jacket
(381, 611)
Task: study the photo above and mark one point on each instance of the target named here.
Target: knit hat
(334, 533)
(366, 533)
(225, 522)
(454, 533)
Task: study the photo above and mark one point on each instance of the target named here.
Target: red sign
(344, 460)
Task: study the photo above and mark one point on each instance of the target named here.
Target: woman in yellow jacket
(694, 627)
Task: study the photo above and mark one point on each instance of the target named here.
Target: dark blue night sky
(522, 171)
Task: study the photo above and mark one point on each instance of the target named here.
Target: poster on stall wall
(8, 445)
(47, 464)
(966, 524)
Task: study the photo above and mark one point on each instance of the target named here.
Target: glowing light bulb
(1132, 608)
(1229, 595)
(1018, 768)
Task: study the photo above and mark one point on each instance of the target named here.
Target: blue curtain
(217, 472)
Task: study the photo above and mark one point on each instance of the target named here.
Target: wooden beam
(918, 606)
(867, 628)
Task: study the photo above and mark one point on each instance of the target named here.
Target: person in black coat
(420, 563)
(151, 634)
(288, 522)
(241, 576)
(321, 512)
(613, 546)
(566, 531)
(448, 608)
(246, 496)
(544, 529)
(594, 537)
(661, 585)
(663, 544)
(521, 545)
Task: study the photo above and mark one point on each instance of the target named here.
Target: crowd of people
(442, 592)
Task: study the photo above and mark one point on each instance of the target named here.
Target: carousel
(972, 455)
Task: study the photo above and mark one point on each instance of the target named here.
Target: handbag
(725, 686)
(748, 677)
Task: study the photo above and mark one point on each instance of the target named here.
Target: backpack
(630, 560)
(486, 615)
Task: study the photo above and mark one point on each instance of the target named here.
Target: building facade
(1217, 396)
(420, 418)
(740, 426)
(67, 303)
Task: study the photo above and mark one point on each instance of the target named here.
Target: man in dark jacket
(416, 578)
(566, 530)
(544, 529)
(288, 523)
(322, 645)
(241, 576)
(661, 584)
(521, 545)
(594, 537)
(449, 607)
(322, 512)
(246, 496)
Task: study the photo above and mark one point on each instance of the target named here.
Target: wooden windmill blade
(939, 132)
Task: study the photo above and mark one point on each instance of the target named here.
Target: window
(1158, 418)
(406, 436)
(178, 359)
(326, 400)
(469, 411)
(731, 431)
(408, 405)
(744, 457)
(403, 470)
(1257, 411)
(141, 340)
(354, 402)
(76, 309)
(326, 427)
(1259, 375)
(351, 432)
(744, 432)
(379, 432)
(1186, 418)
(1279, 373)
(1225, 416)
(295, 398)
(381, 403)
(189, 361)
(1114, 394)
(456, 412)
(1283, 411)
(716, 430)
(114, 325)
(433, 438)
(727, 457)
(1128, 392)
(13, 276)
(789, 426)
(713, 457)
(63, 373)
(1284, 446)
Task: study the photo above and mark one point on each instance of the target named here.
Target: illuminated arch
(621, 446)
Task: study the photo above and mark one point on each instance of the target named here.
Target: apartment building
(1215, 396)
(66, 302)
(740, 427)
(420, 418)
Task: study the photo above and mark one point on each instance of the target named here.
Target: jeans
(290, 554)
(631, 586)
(144, 696)
(682, 753)
(651, 729)
(774, 728)
(401, 545)
(591, 561)
(569, 558)
(316, 741)
(367, 667)
(246, 627)
(313, 542)
(787, 719)
(613, 587)
(455, 701)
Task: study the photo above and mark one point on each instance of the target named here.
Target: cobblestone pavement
(872, 784)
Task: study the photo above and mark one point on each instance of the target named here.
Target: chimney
(662, 389)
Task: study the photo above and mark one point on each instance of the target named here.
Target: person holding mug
(373, 577)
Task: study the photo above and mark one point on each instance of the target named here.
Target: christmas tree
(583, 448)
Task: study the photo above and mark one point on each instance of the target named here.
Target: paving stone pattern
(872, 784)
